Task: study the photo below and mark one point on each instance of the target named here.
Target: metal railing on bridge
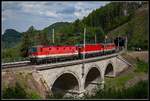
(17, 59)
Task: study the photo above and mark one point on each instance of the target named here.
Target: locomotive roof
(107, 43)
(86, 44)
(38, 46)
(42, 46)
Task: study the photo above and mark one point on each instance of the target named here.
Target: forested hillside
(136, 29)
(10, 38)
(116, 18)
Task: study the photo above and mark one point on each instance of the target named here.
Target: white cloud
(38, 8)
(51, 14)
(80, 10)
(6, 14)
(80, 14)
(84, 8)
(31, 7)
(42, 14)
(3, 19)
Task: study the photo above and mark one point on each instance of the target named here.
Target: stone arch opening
(66, 83)
(109, 70)
(92, 79)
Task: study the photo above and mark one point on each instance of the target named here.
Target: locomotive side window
(49, 48)
(33, 49)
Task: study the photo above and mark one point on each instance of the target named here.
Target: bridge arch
(92, 76)
(66, 80)
(109, 69)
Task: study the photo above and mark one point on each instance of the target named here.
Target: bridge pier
(102, 84)
(81, 87)
(81, 93)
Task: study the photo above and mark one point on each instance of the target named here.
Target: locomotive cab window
(33, 49)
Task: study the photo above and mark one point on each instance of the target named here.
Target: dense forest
(99, 22)
(10, 38)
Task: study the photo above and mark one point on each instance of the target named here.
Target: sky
(21, 15)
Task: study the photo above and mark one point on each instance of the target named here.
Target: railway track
(15, 64)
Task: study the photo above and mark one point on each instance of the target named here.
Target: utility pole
(53, 36)
(83, 65)
(95, 39)
(84, 43)
(126, 43)
(105, 44)
(118, 42)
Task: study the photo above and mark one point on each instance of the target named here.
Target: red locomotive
(39, 54)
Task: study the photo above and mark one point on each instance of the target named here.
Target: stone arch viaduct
(81, 76)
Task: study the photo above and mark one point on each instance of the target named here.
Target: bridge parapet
(76, 62)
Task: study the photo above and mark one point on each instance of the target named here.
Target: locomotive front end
(33, 54)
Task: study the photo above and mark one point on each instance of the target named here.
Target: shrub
(141, 66)
(16, 92)
(137, 91)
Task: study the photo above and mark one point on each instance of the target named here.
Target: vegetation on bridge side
(138, 91)
(142, 66)
(21, 85)
(18, 92)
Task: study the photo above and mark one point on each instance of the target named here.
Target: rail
(15, 64)
(121, 58)
(17, 59)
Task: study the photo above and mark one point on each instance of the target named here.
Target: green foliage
(136, 29)
(110, 16)
(54, 96)
(33, 95)
(26, 44)
(138, 91)
(10, 38)
(141, 66)
(16, 92)
(139, 33)
(119, 81)
(11, 54)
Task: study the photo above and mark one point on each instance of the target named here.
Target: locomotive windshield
(33, 49)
